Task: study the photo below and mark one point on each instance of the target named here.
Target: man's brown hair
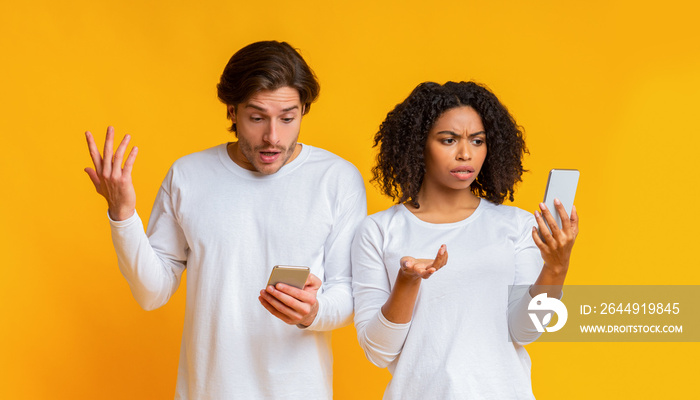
(267, 65)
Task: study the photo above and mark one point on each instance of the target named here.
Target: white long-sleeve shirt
(228, 227)
(459, 343)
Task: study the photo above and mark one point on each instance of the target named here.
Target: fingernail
(557, 202)
(543, 207)
(537, 214)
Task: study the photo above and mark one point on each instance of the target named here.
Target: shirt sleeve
(335, 303)
(528, 265)
(151, 263)
(381, 339)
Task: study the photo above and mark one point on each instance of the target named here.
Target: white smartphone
(561, 185)
(290, 275)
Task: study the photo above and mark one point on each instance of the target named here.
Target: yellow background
(607, 87)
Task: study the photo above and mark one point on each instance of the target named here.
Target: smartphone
(290, 275)
(561, 185)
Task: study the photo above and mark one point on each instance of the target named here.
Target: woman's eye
(478, 142)
(448, 141)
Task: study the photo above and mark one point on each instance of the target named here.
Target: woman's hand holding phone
(555, 247)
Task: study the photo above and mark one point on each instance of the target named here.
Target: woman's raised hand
(422, 267)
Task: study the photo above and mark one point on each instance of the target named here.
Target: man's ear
(231, 112)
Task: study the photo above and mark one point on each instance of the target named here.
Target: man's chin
(268, 169)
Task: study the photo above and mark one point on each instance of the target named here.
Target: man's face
(267, 126)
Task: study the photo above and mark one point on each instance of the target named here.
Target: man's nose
(271, 133)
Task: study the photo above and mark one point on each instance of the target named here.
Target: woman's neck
(444, 206)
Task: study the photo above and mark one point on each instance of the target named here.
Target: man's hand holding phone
(290, 304)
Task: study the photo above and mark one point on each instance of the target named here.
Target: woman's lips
(463, 173)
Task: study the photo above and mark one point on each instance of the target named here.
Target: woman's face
(455, 149)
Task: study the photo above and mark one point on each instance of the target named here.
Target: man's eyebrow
(262, 109)
(255, 107)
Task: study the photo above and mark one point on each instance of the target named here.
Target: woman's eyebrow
(457, 135)
(447, 133)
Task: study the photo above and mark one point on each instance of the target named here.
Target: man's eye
(287, 120)
(255, 119)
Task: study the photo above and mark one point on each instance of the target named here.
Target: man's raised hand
(111, 180)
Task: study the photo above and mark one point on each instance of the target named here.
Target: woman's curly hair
(402, 136)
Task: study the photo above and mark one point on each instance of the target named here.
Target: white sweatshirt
(228, 227)
(458, 344)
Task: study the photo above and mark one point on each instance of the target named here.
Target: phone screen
(561, 185)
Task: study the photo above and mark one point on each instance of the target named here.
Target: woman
(450, 155)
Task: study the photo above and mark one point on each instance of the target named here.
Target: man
(228, 215)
